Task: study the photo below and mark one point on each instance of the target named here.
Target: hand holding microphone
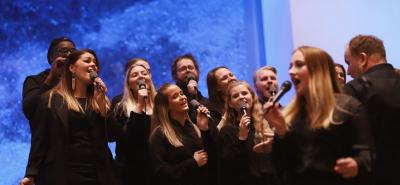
(98, 83)
(244, 121)
(142, 92)
(191, 84)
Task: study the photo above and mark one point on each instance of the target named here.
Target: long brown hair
(161, 117)
(64, 86)
(260, 125)
(216, 97)
(322, 85)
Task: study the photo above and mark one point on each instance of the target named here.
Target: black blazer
(48, 154)
(33, 88)
(379, 90)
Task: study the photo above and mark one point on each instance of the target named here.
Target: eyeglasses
(64, 52)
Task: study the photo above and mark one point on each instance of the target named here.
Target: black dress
(308, 156)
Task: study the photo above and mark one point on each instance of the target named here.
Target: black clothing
(53, 157)
(240, 165)
(308, 156)
(176, 165)
(33, 88)
(132, 154)
(378, 89)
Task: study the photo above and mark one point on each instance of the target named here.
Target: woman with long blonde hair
(245, 140)
(69, 145)
(323, 135)
(133, 114)
(179, 147)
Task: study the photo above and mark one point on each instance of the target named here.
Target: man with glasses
(36, 85)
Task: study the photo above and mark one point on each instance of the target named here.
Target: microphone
(285, 87)
(272, 90)
(195, 104)
(93, 75)
(190, 77)
(243, 107)
(142, 84)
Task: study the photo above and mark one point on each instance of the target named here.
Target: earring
(73, 81)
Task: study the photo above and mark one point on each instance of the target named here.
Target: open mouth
(296, 81)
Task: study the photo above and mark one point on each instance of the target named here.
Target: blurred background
(241, 34)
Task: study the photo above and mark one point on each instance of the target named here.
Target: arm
(32, 90)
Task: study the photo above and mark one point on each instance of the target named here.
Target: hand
(263, 147)
(274, 117)
(200, 157)
(142, 97)
(347, 167)
(192, 87)
(55, 71)
(26, 181)
(100, 86)
(202, 119)
(243, 127)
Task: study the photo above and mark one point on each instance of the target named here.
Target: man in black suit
(377, 85)
(36, 85)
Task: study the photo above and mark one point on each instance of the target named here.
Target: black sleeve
(362, 141)
(32, 89)
(39, 140)
(138, 130)
(164, 169)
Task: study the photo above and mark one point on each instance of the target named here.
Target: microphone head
(243, 106)
(93, 75)
(194, 103)
(272, 90)
(141, 83)
(286, 85)
(190, 77)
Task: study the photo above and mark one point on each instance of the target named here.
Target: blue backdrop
(216, 32)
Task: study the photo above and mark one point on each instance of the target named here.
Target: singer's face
(340, 75)
(62, 49)
(224, 77)
(239, 94)
(177, 102)
(298, 72)
(138, 73)
(185, 67)
(83, 66)
(265, 81)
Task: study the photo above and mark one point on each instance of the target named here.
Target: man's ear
(364, 60)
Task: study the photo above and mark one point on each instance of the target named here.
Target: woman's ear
(71, 68)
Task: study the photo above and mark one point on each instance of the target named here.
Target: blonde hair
(161, 118)
(260, 125)
(128, 102)
(64, 87)
(322, 86)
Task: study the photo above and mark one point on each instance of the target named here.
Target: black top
(80, 144)
(308, 156)
(176, 166)
(378, 89)
(49, 154)
(239, 163)
(132, 154)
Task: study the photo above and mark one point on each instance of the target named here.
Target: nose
(291, 70)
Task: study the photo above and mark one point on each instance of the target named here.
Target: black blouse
(308, 156)
(176, 165)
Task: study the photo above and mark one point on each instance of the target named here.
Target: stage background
(241, 34)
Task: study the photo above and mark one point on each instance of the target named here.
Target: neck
(80, 90)
(179, 116)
